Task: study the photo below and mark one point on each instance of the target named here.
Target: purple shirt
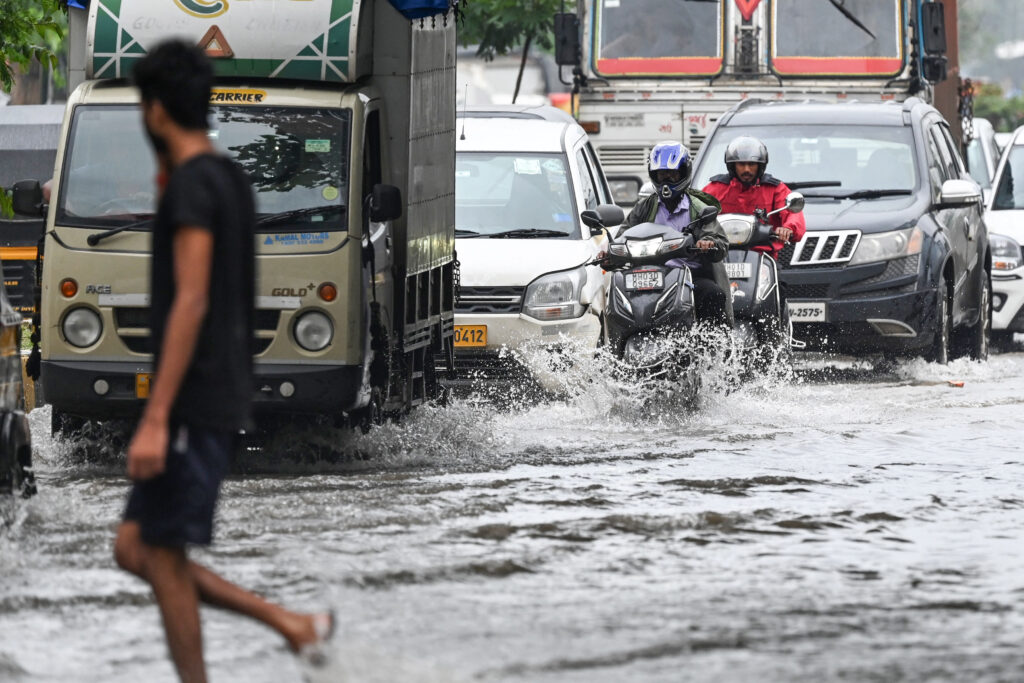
(677, 220)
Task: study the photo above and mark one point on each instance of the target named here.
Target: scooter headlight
(555, 296)
(737, 229)
(313, 331)
(82, 327)
(642, 248)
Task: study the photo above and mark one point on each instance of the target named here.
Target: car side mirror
(385, 203)
(795, 202)
(28, 198)
(958, 192)
(592, 219)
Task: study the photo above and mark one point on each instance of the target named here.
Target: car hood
(867, 215)
(487, 262)
(1006, 222)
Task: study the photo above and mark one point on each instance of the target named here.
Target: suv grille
(622, 157)
(133, 328)
(821, 248)
(490, 299)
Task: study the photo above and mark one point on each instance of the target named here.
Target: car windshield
(849, 158)
(1010, 185)
(295, 158)
(853, 37)
(655, 36)
(499, 192)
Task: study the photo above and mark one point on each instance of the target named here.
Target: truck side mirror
(933, 28)
(567, 39)
(28, 198)
(385, 203)
(934, 68)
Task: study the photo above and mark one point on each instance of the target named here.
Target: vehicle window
(936, 165)
(495, 192)
(604, 194)
(654, 36)
(296, 158)
(976, 164)
(587, 187)
(954, 151)
(371, 158)
(857, 157)
(949, 169)
(1010, 184)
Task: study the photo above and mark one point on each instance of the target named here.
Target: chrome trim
(817, 257)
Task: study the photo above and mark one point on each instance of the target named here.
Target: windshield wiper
(459, 232)
(813, 183)
(285, 216)
(839, 5)
(529, 232)
(860, 194)
(98, 237)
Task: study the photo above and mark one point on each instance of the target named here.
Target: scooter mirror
(708, 214)
(794, 202)
(611, 215)
(592, 219)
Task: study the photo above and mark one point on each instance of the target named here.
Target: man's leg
(167, 571)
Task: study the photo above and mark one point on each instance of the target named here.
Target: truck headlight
(313, 331)
(82, 327)
(885, 246)
(555, 296)
(1006, 254)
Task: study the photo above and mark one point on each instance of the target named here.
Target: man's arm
(793, 222)
(193, 262)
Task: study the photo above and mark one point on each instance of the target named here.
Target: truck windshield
(837, 37)
(1010, 190)
(658, 38)
(500, 193)
(296, 159)
(848, 158)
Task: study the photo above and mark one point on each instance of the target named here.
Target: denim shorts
(176, 508)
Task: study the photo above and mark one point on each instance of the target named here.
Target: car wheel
(939, 352)
(1002, 340)
(980, 333)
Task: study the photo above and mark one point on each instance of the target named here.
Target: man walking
(202, 283)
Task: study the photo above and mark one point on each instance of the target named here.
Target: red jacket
(769, 194)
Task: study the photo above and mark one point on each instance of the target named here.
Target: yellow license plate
(142, 382)
(471, 335)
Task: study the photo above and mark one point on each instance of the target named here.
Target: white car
(1004, 217)
(524, 176)
(983, 156)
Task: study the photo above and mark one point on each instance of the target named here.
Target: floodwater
(834, 524)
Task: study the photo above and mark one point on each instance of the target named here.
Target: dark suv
(896, 256)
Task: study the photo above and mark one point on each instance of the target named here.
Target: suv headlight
(313, 331)
(555, 296)
(1006, 254)
(82, 327)
(885, 246)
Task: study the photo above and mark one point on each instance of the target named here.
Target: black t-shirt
(213, 193)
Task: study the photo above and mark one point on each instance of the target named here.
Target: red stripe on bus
(660, 66)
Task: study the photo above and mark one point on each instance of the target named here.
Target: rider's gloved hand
(784, 234)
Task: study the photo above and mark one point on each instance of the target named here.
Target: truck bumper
(71, 387)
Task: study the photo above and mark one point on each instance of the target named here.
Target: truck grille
(821, 248)
(133, 328)
(490, 299)
(622, 157)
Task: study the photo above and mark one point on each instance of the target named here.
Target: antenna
(465, 104)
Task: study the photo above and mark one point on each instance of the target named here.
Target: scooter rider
(747, 188)
(675, 204)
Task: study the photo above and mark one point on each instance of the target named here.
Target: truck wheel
(939, 351)
(973, 341)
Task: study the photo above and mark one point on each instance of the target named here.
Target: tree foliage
(498, 27)
(1004, 113)
(29, 29)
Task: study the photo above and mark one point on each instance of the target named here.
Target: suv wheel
(939, 352)
(974, 340)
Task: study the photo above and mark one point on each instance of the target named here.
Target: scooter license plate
(739, 271)
(640, 280)
(807, 312)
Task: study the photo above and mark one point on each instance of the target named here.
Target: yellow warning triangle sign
(215, 44)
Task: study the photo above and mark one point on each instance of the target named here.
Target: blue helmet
(670, 156)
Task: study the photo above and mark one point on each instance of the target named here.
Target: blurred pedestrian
(202, 283)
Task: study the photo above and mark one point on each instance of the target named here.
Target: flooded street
(839, 525)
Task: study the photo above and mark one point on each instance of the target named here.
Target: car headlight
(641, 248)
(885, 246)
(555, 296)
(1006, 254)
(313, 331)
(82, 327)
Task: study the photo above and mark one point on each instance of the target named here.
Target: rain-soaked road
(843, 527)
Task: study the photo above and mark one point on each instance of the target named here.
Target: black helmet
(746, 149)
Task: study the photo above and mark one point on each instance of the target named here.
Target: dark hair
(179, 76)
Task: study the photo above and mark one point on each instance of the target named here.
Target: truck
(649, 70)
(342, 113)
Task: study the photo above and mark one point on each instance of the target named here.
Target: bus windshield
(658, 38)
(297, 160)
(837, 37)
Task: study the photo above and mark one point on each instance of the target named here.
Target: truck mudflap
(106, 390)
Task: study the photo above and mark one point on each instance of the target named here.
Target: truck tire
(973, 341)
(939, 351)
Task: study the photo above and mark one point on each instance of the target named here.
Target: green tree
(29, 29)
(498, 27)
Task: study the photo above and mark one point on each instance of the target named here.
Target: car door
(953, 220)
(973, 217)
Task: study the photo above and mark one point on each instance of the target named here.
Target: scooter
(762, 320)
(649, 303)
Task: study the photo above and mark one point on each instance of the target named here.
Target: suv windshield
(296, 158)
(497, 193)
(682, 37)
(1010, 190)
(848, 158)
